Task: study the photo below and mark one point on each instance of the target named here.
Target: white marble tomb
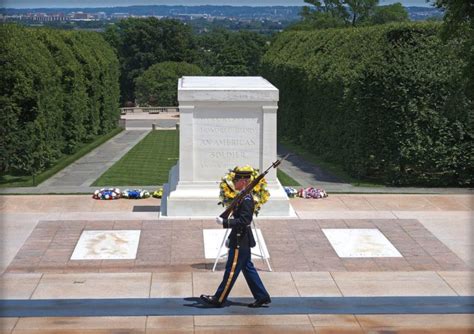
(224, 122)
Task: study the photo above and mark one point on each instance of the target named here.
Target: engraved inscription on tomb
(223, 143)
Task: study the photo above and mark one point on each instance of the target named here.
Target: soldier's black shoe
(261, 302)
(211, 300)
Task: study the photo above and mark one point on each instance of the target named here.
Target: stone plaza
(432, 233)
(348, 263)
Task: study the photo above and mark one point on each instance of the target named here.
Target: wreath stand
(261, 255)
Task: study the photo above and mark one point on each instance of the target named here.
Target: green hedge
(59, 89)
(385, 102)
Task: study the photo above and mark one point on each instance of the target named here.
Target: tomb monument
(224, 122)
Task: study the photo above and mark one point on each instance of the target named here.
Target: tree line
(321, 14)
(59, 90)
(154, 53)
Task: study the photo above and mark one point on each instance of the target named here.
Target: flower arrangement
(312, 193)
(135, 193)
(228, 192)
(158, 193)
(107, 194)
(291, 192)
(306, 192)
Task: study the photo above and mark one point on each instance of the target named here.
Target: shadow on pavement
(198, 303)
(307, 167)
(146, 208)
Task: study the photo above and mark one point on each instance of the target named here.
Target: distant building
(191, 16)
(101, 15)
(43, 17)
(120, 15)
(80, 16)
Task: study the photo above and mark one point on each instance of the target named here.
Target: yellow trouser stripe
(231, 275)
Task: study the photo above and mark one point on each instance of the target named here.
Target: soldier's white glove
(219, 220)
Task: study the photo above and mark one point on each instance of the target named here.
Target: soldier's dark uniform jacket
(239, 257)
(241, 234)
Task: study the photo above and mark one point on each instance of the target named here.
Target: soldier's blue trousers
(239, 259)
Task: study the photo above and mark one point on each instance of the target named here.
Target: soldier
(240, 240)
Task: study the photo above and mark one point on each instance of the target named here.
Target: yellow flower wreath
(228, 192)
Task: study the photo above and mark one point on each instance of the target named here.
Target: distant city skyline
(120, 3)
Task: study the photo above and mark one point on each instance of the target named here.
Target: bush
(385, 102)
(59, 89)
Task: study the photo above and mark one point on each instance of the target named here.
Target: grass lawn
(286, 180)
(147, 163)
(63, 162)
(330, 167)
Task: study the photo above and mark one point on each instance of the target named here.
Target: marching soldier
(240, 240)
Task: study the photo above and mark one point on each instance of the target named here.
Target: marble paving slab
(360, 243)
(213, 239)
(107, 245)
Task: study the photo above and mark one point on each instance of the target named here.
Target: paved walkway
(309, 175)
(77, 177)
(271, 324)
(433, 233)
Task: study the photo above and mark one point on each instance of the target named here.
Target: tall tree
(157, 85)
(336, 13)
(141, 43)
(231, 53)
(459, 14)
(360, 10)
(324, 13)
(391, 13)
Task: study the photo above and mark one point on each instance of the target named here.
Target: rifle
(249, 188)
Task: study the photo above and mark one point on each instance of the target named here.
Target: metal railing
(150, 110)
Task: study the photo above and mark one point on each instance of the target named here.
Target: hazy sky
(111, 3)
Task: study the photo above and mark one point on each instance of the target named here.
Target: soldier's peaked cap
(242, 173)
